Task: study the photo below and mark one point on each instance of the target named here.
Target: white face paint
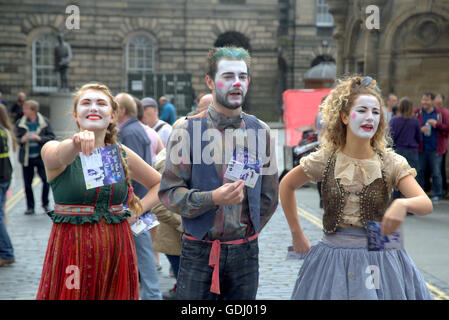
(94, 110)
(231, 83)
(364, 116)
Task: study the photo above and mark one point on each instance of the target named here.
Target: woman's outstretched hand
(84, 141)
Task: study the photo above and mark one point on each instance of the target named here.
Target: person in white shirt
(151, 119)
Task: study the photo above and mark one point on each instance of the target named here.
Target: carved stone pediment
(422, 32)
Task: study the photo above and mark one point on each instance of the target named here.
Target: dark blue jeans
(412, 158)
(6, 250)
(28, 175)
(431, 159)
(174, 262)
(239, 271)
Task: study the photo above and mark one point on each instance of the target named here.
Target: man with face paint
(221, 217)
(33, 131)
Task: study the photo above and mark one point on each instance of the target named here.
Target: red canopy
(300, 108)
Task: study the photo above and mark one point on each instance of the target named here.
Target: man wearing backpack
(151, 119)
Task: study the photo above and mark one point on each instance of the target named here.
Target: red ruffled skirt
(90, 262)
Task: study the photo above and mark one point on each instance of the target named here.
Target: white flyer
(237, 170)
(144, 223)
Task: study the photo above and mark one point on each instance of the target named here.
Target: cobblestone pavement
(29, 235)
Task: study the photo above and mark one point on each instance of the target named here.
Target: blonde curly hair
(339, 101)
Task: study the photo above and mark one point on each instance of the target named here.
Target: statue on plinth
(63, 55)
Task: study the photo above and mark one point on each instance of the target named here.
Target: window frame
(37, 87)
(323, 17)
(127, 55)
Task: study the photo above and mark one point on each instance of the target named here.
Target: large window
(140, 55)
(45, 79)
(323, 17)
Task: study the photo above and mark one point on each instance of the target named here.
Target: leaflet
(377, 241)
(292, 255)
(144, 223)
(244, 166)
(103, 167)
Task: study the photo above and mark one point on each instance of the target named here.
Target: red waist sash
(214, 257)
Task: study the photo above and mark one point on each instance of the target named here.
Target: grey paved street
(426, 240)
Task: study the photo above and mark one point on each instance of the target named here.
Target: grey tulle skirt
(340, 267)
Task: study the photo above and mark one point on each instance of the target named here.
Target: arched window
(140, 54)
(45, 79)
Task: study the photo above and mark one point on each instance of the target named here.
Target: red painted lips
(94, 117)
(367, 127)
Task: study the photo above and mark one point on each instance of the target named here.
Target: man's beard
(227, 105)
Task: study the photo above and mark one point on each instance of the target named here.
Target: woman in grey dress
(358, 174)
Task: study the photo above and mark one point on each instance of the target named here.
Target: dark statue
(63, 55)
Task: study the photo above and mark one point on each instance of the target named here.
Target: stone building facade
(305, 38)
(156, 47)
(407, 54)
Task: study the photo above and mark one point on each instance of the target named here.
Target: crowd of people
(210, 216)
(420, 134)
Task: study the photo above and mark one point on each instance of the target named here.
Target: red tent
(300, 108)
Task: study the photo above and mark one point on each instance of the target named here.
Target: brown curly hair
(339, 101)
(110, 138)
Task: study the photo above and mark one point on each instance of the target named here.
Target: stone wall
(182, 31)
(407, 54)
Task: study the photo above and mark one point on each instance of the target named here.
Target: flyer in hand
(377, 241)
(244, 167)
(292, 255)
(144, 223)
(102, 167)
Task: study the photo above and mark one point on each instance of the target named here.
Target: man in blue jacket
(168, 112)
(133, 135)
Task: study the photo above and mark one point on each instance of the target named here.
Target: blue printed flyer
(244, 166)
(292, 255)
(144, 223)
(377, 241)
(103, 167)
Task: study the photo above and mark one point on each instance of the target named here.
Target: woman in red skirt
(91, 253)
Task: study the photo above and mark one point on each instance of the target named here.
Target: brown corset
(374, 198)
